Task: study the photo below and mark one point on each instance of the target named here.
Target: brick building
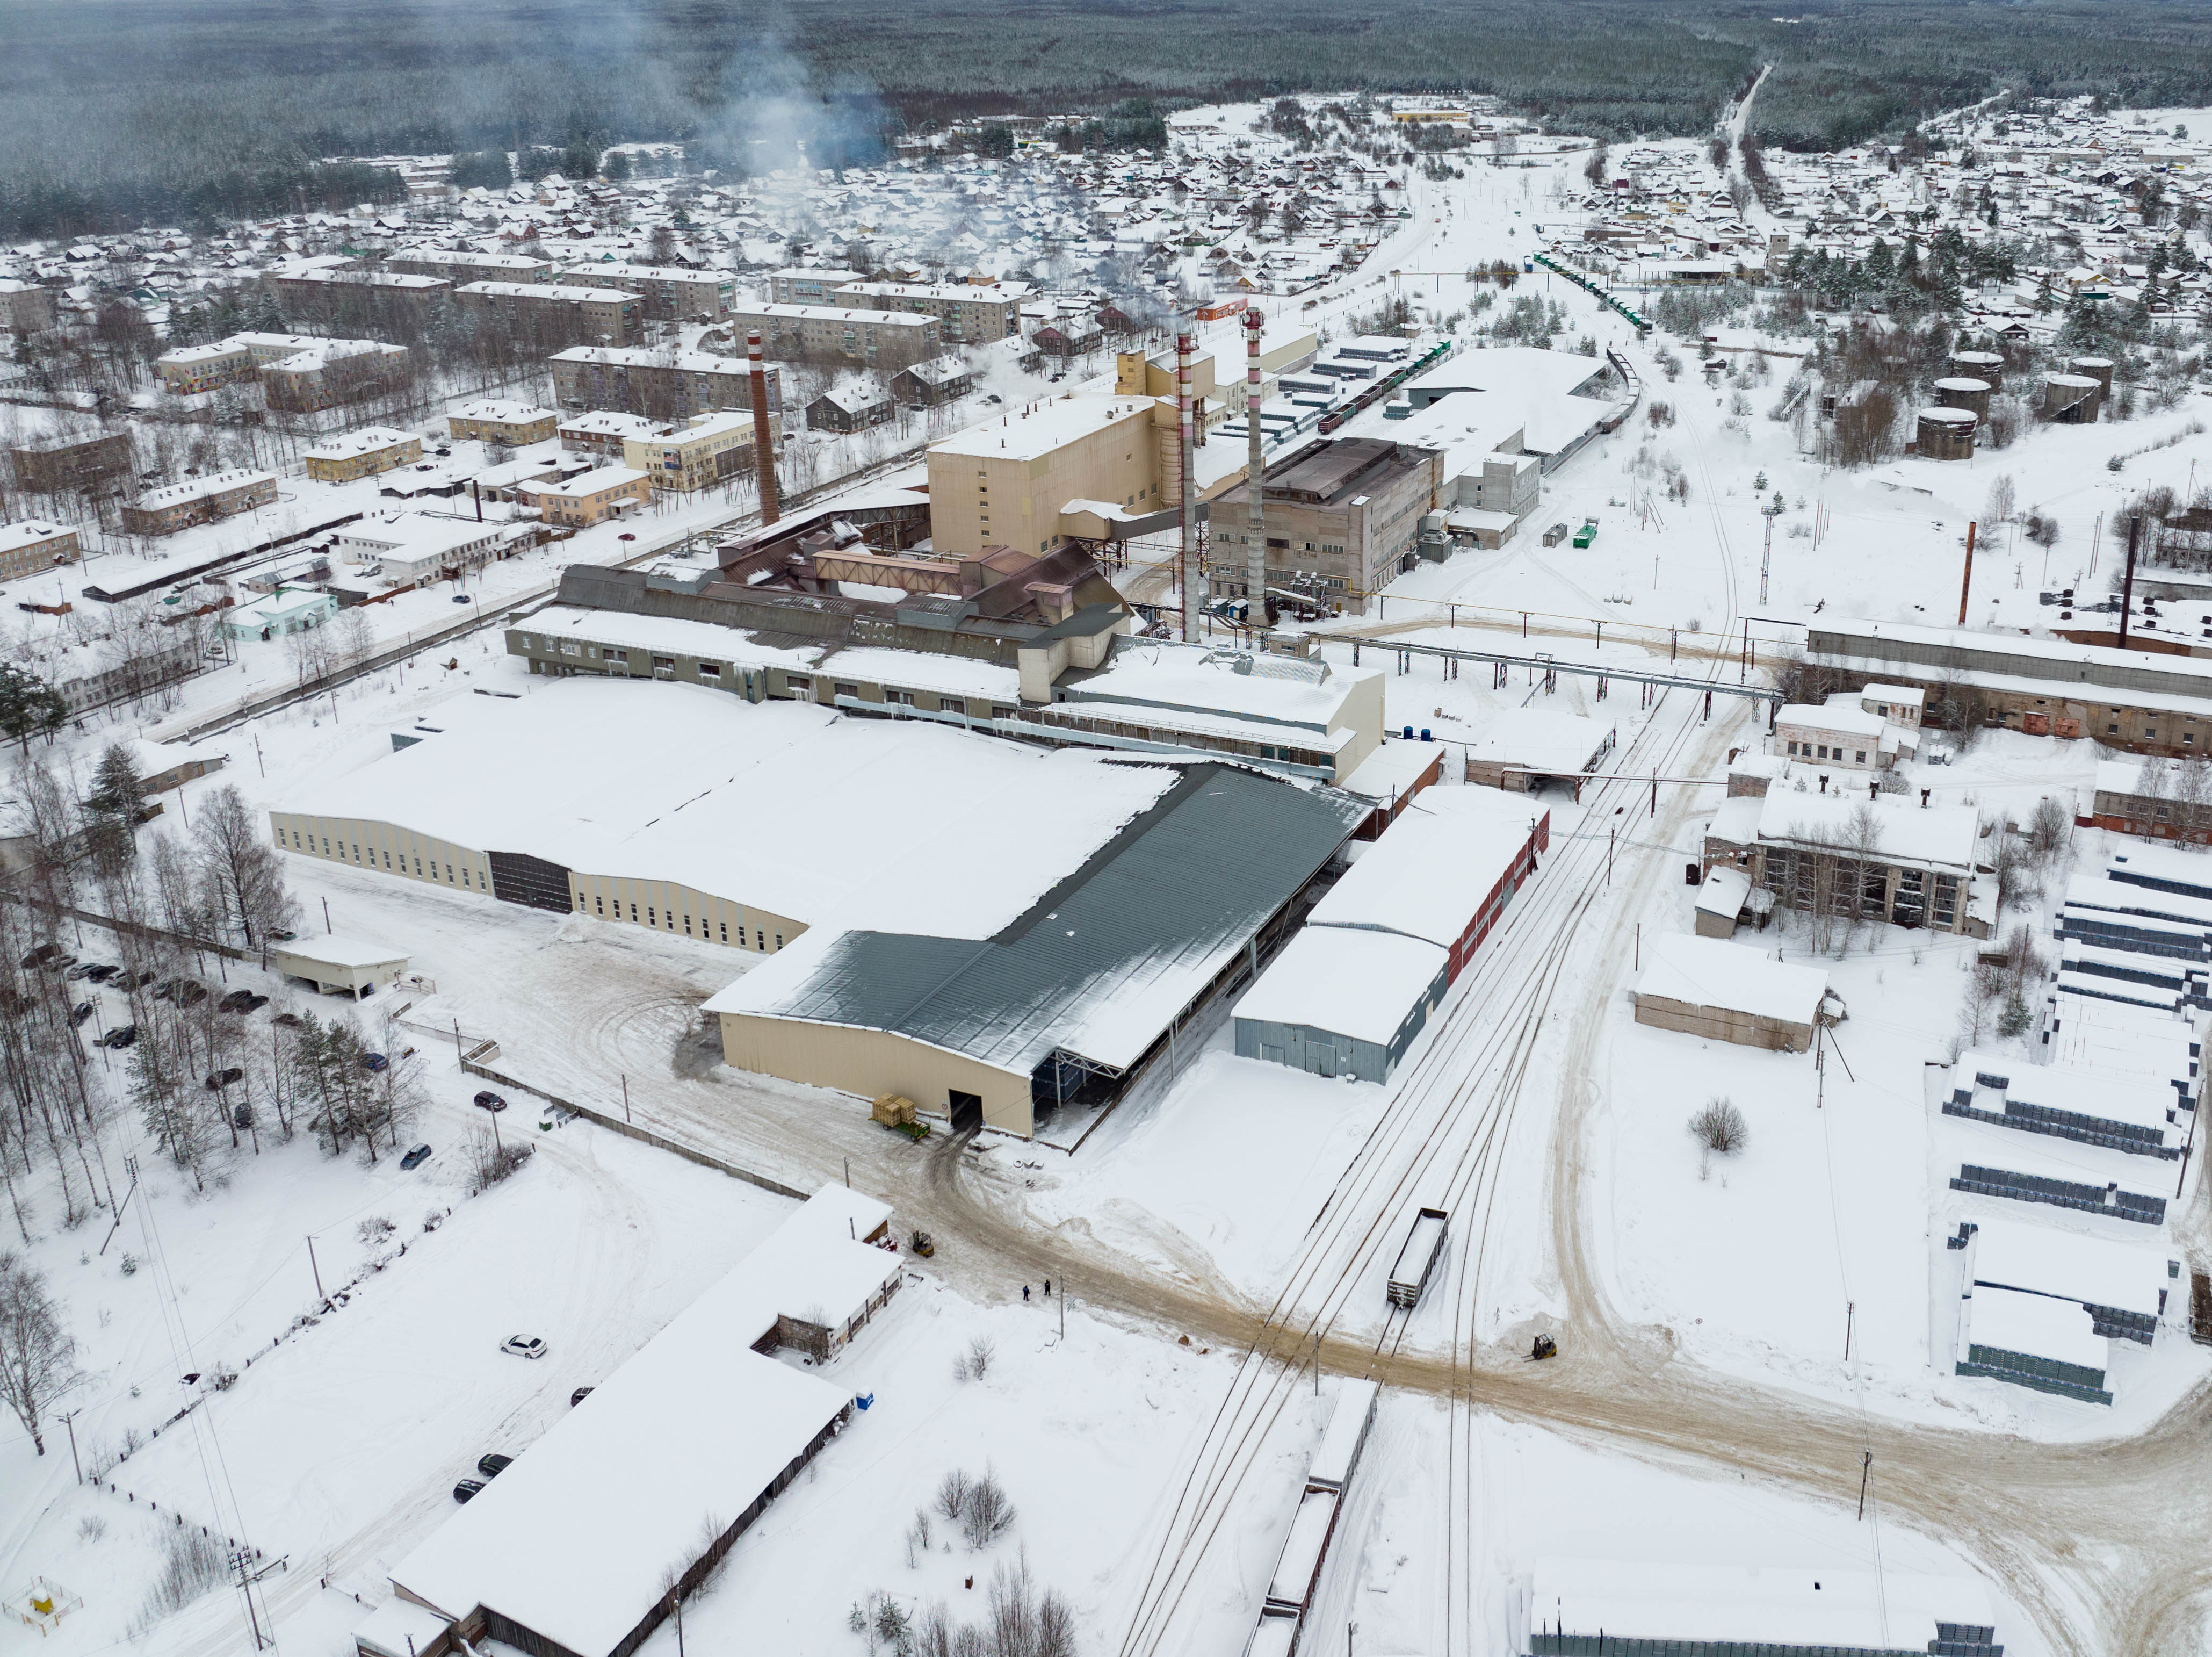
(362, 454)
(31, 546)
(554, 313)
(199, 501)
(663, 384)
(828, 333)
(1342, 517)
(668, 294)
(58, 466)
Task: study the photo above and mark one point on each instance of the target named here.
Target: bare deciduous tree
(38, 1356)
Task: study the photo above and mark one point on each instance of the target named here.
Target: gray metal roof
(1099, 964)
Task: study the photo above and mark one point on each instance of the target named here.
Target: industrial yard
(1387, 817)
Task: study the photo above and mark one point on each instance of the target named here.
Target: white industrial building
(568, 1552)
(416, 547)
(1729, 992)
(1353, 989)
(1524, 747)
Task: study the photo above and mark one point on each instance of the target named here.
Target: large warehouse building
(710, 818)
(1074, 998)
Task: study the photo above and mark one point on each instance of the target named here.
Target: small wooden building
(1729, 992)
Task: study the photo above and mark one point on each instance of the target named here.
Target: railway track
(1446, 1132)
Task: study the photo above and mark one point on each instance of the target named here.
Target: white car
(524, 1346)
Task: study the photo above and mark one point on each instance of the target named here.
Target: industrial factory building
(1073, 998)
(2148, 698)
(1342, 517)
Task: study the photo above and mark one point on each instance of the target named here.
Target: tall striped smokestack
(1188, 563)
(764, 447)
(1256, 482)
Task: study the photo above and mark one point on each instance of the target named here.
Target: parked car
(373, 1061)
(489, 1100)
(289, 1020)
(523, 1346)
(100, 973)
(467, 1488)
(127, 982)
(491, 1466)
(282, 937)
(463, 598)
(184, 992)
(57, 964)
(579, 1395)
(416, 1158)
(219, 1080)
(40, 956)
(80, 1012)
(87, 970)
(121, 1036)
(238, 1000)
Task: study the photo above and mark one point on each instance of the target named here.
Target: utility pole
(326, 916)
(1967, 581)
(1866, 1473)
(625, 1082)
(2127, 581)
(70, 1422)
(317, 1270)
(1851, 1312)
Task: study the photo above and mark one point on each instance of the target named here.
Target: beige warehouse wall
(873, 1062)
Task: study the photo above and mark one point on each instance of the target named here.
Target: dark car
(287, 937)
(40, 956)
(489, 1100)
(579, 1395)
(121, 1036)
(492, 1466)
(127, 982)
(87, 970)
(289, 1020)
(467, 1488)
(236, 1001)
(373, 1061)
(100, 973)
(80, 1012)
(219, 1080)
(416, 1158)
(463, 598)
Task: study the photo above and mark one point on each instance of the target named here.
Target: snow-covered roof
(1733, 978)
(1357, 983)
(1432, 870)
(2012, 1321)
(1542, 739)
(702, 788)
(1945, 835)
(1724, 892)
(333, 951)
(1805, 1606)
(2068, 1265)
(574, 1540)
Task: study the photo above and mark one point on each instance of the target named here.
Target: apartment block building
(807, 286)
(669, 294)
(967, 312)
(492, 420)
(191, 370)
(596, 497)
(31, 547)
(199, 501)
(712, 449)
(555, 312)
(1341, 516)
(25, 307)
(663, 384)
(334, 372)
(362, 454)
(831, 333)
(57, 465)
(357, 297)
(463, 266)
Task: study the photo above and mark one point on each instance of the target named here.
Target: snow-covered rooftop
(2067, 1265)
(1357, 983)
(1797, 1606)
(1732, 976)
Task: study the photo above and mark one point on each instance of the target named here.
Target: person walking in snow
(1048, 1289)
(1025, 1293)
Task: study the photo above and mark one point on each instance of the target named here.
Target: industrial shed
(1076, 996)
(1728, 992)
(1525, 747)
(1353, 990)
(663, 1466)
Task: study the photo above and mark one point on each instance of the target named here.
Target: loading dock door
(966, 1110)
(517, 878)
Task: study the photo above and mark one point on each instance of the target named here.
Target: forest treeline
(119, 113)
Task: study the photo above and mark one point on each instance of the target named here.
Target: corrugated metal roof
(1100, 964)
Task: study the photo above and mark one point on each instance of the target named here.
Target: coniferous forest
(121, 112)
